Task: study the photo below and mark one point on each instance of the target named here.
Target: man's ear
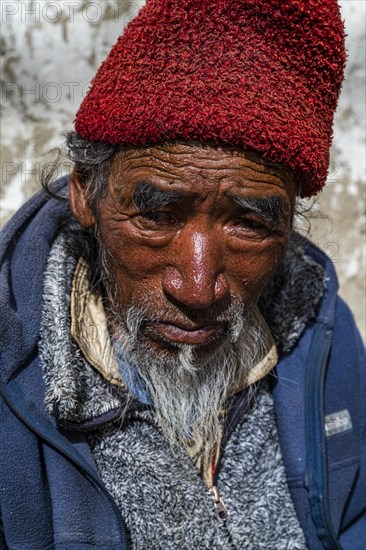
(79, 203)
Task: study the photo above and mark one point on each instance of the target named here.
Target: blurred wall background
(50, 50)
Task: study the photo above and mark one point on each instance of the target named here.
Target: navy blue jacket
(51, 496)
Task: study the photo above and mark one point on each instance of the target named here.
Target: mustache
(220, 312)
(139, 315)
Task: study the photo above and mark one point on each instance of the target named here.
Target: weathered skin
(191, 258)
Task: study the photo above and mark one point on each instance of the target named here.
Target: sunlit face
(191, 233)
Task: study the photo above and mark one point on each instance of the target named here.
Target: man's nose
(195, 276)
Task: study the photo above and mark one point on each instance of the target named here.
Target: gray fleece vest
(162, 498)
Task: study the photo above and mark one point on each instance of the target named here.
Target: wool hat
(262, 75)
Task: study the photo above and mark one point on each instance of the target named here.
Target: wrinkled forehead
(186, 162)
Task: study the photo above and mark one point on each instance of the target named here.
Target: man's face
(191, 234)
(188, 236)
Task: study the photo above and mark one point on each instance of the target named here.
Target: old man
(177, 369)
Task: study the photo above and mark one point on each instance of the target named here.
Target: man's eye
(249, 223)
(247, 227)
(157, 217)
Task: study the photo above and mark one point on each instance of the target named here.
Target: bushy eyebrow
(269, 208)
(148, 197)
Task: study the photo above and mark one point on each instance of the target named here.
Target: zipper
(239, 404)
(88, 474)
(222, 513)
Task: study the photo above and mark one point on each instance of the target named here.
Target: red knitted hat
(263, 75)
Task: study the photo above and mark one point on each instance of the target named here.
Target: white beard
(187, 393)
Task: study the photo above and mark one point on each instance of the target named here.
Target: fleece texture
(264, 76)
(163, 501)
(166, 504)
(84, 398)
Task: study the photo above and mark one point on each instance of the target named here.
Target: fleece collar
(291, 299)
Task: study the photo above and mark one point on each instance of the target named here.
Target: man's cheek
(131, 257)
(255, 271)
(138, 266)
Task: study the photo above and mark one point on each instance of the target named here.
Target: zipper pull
(221, 511)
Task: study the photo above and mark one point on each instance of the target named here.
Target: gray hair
(92, 162)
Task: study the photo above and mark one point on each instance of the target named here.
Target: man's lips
(187, 335)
